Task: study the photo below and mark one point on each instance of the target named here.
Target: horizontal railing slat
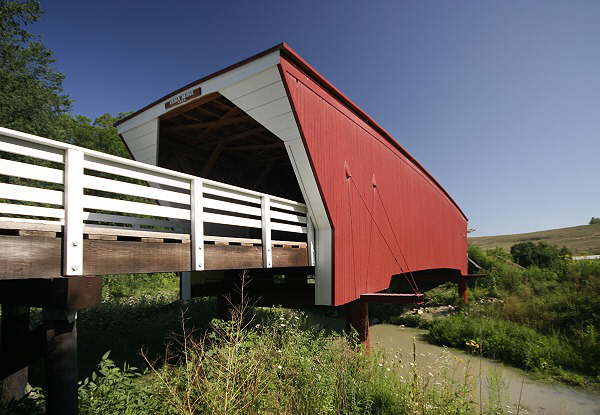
(231, 220)
(134, 172)
(231, 194)
(26, 210)
(25, 148)
(132, 220)
(114, 186)
(125, 206)
(30, 194)
(31, 171)
(287, 228)
(290, 217)
(288, 205)
(231, 207)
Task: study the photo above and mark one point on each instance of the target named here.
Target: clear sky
(499, 100)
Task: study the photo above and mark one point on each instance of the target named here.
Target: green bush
(541, 255)
(511, 342)
(594, 221)
(115, 391)
(410, 320)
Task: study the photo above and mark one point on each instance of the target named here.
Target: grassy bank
(546, 321)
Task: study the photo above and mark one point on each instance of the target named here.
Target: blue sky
(499, 100)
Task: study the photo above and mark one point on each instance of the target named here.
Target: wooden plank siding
(388, 215)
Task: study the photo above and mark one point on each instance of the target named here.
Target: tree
(100, 135)
(542, 255)
(594, 220)
(31, 93)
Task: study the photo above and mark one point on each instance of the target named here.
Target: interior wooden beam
(207, 112)
(213, 124)
(191, 117)
(278, 144)
(212, 160)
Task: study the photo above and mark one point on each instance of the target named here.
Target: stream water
(536, 397)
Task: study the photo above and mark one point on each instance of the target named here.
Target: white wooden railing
(173, 201)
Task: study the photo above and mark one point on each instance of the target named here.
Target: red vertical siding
(405, 223)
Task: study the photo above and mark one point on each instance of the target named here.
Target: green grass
(275, 362)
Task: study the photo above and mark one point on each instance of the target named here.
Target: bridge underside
(35, 250)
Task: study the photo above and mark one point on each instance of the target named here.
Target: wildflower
(430, 374)
(279, 367)
(388, 369)
(380, 364)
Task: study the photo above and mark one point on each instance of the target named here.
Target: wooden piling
(61, 362)
(462, 290)
(14, 328)
(357, 318)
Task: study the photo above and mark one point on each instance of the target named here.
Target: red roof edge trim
(292, 55)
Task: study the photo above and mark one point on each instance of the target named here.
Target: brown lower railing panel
(132, 257)
(28, 256)
(41, 257)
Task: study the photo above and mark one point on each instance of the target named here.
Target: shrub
(541, 254)
(511, 342)
(594, 221)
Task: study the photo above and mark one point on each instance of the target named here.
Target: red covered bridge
(263, 166)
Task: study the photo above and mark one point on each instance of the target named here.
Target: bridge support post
(462, 290)
(61, 362)
(14, 328)
(357, 318)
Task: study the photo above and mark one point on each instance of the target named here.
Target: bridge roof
(292, 56)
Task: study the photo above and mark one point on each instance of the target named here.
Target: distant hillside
(579, 239)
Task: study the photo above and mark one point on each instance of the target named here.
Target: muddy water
(536, 397)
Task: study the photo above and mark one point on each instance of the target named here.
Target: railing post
(73, 205)
(197, 225)
(310, 241)
(266, 232)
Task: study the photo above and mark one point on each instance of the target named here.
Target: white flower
(388, 369)
(430, 374)
(279, 367)
(380, 364)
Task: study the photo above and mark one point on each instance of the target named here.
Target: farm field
(580, 240)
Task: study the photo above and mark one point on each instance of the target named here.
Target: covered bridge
(273, 124)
